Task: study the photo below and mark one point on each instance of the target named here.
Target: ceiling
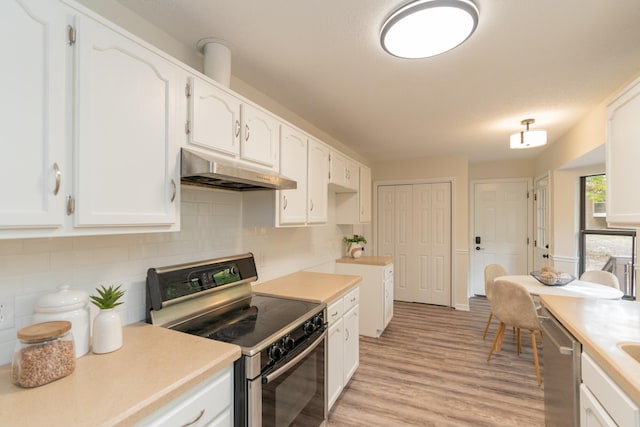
(546, 59)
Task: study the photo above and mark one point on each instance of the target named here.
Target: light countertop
(367, 260)
(320, 287)
(118, 388)
(600, 325)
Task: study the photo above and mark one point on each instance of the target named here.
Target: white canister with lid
(70, 305)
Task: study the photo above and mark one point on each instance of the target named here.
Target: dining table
(576, 288)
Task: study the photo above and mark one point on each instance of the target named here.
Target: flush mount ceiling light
(528, 138)
(425, 28)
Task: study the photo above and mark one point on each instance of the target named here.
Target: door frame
(471, 286)
(452, 249)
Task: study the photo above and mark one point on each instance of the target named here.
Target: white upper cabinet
(623, 152)
(343, 173)
(355, 208)
(223, 122)
(125, 148)
(214, 118)
(33, 171)
(364, 193)
(318, 176)
(260, 137)
(293, 165)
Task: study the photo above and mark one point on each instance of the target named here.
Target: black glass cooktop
(253, 321)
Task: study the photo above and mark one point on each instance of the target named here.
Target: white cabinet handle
(58, 174)
(246, 132)
(311, 203)
(237, 128)
(346, 335)
(284, 200)
(195, 420)
(173, 191)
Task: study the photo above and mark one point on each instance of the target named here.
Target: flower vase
(107, 331)
(354, 250)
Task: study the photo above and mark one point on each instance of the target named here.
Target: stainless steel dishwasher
(561, 373)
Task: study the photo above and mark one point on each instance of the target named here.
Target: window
(601, 247)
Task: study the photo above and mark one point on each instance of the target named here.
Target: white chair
(491, 271)
(601, 277)
(513, 305)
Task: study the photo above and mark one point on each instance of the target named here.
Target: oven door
(293, 395)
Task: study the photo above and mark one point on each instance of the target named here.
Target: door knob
(478, 248)
(545, 256)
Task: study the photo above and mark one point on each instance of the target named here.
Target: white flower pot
(107, 331)
(354, 250)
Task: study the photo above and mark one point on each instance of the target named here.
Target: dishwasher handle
(563, 349)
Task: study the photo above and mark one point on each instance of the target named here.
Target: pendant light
(528, 138)
(425, 28)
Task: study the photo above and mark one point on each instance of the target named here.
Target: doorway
(500, 227)
(414, 226)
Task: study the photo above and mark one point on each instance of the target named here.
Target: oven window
(297, 397)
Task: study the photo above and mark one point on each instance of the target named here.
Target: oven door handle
(274, 375)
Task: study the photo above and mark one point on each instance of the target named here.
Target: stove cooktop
(256, 323)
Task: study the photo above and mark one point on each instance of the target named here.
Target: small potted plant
(107, 326)
(355, 245)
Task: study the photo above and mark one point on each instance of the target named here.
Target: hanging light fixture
(528, 138)
(425, 28)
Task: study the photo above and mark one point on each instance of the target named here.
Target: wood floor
(429, 368)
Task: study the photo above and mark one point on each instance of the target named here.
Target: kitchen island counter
(121, 387)
(367, 260)
(320, 287)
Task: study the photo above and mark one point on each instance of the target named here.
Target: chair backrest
(492, 271)
(601, 277)
(513, 305)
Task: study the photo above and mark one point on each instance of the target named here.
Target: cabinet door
(365, 194)
(388, 300)
(260, 137)
(215, 118)
(293, 164)
(623, 152)
(318, 175)
(592, 414)
(335, 361)
(351, 343)
(126, 154)
(33, 173)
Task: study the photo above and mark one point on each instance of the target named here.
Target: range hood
(208, 171)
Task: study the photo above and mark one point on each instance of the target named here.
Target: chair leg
(535, 355)
(496, 340)
(518, 342)
(486, 328)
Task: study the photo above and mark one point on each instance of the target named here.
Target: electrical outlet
(6, 313)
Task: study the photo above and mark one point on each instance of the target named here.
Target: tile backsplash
(211, 226)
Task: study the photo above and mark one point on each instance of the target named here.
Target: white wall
(211, 227)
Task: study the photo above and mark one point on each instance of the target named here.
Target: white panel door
(414, 226)
(500, 222)
(33, 173)
(541, 223)
(260, 137)
(126, 152)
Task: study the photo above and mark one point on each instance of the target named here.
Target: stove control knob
(288, 342)
(309, 327)
(275, 352)
(318, 321)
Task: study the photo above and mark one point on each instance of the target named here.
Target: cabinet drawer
(205, 403)
(351, 299)
(335, 311)
(615, 401)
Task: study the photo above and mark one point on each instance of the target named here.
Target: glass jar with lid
(44, 353)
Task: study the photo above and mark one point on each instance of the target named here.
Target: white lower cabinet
(602, 402)
(376, 295)
(208, 404)
(343, 342)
